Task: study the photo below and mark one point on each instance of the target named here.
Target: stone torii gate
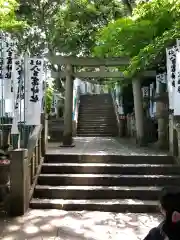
(71, 63)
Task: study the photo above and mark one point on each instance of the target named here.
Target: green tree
(143, 37)
(8, 21)
(64, 26)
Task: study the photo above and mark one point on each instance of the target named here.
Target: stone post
(162, 120)
(20, 182)
(67, 135)
(138, 108)
(44, 133)
(171, 133)
(177, 127)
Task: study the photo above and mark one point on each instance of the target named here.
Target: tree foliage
(143, 37)
(78, 22)
(66, 26)
(8, 21)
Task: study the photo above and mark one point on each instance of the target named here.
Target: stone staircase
(55, 129)
(114, 183)
(96, 116)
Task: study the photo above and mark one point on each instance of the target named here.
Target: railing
(116, 111)
(24, 170)
(34, 157)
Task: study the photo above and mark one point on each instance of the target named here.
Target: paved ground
(62, 225)
(101, 145)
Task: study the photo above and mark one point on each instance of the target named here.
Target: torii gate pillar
(67, 135)
(138, 108)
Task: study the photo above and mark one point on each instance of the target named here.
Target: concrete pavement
(62, 225)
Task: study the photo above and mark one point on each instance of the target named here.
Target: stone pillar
(44, 133)
(138, 108)
(162, 142)
(20, 182)
(171, 133)
(174, 131)
(162, 120)
(68, 109)
(177, 127)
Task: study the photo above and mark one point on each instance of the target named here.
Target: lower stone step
(113, 205)
(108, 159)
(111, 168)
(97, 192)
(108, 180)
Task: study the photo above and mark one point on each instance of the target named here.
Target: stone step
(94, 125)
(108, 180)
(80, 134)
(56, 128)
(97, 128)
(105, 99)
(113, 168)
(83, 116)
(95, 99)
(97, 192)
(95, 96)
(88, 131)
(95, 104)
(98, 113)
(97, 135)
(100, 158)
(113, 205)
(54, 121)
(96, 120)
(96, 109)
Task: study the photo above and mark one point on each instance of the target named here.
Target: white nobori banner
(6, 89)
(18, 94)
(171, 73)
(8, 57)
(33, 90)
(177, 86)
(170, 58)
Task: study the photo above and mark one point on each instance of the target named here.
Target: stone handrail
(116, 112)
(24, 170)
